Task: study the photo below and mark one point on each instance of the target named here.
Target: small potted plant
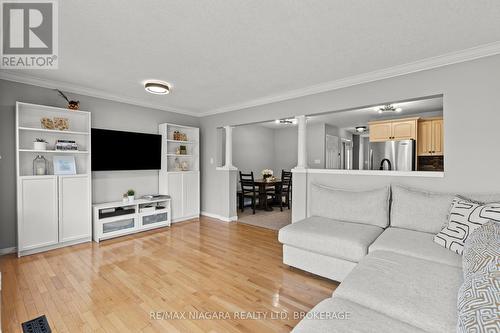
(267, 174)
(130, 195)
(39, 144)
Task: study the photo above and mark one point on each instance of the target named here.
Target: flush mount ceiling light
(157, 87)
(289, 121)
(388, 108)
(360, 129)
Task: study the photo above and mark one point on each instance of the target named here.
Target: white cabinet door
(74, 211)
(175, 191)
(38, 212)
(191, 191)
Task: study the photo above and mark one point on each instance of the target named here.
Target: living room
(199, 269)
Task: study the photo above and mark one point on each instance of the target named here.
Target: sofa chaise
(380, 245)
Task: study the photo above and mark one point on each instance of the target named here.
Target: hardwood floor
(197, 268)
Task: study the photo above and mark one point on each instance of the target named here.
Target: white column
(302, 143)
(229, 148)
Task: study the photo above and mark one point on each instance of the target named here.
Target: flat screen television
(118, 150)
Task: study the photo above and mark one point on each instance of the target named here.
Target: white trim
(82, 90)
(185, 218)
(392, 173)
(27, 252)
(8, 250)
(226, 168)
(446, 59)
(220, 217)
(299, 170)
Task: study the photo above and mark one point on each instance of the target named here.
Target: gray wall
(253, 148)
(285, 148)
(256, 147)
(471, 111)
(105, 114)
(315, 134)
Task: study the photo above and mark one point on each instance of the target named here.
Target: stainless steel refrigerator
(392, 155)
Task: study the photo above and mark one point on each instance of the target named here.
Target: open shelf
(179, 155)
(179, 141)
(54, 151)
(29, 130)
(44, 130)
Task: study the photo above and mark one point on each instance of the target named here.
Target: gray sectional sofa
(379, 245)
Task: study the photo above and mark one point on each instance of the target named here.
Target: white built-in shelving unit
(180, 173)
(53, 211)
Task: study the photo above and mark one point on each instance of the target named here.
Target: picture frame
(64, 165)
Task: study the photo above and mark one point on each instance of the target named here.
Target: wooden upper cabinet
(437, 137)
(404, 130)
(424, 143)
(430, 137)
(398, 129)
(380, 131)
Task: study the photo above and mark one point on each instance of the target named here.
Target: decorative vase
(39, 166)
(130, 198)
(125, 199)
(39, 145)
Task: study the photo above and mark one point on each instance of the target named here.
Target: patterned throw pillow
(481, 248)
(465, 217)
(478, 299)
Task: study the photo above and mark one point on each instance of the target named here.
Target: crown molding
(82, 90)
(477, 52)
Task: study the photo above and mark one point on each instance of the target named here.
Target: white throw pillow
(465, 217)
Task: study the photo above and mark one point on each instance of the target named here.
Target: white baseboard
(8, 250)
(182, 219)
(220, 217)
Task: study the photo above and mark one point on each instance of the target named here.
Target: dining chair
(286, 188)
(248, 190)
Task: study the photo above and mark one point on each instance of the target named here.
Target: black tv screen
(118, 150)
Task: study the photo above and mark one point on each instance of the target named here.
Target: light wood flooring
(194, 267)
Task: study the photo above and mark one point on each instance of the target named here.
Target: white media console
(114, 219)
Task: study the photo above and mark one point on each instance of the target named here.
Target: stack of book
(66, 145)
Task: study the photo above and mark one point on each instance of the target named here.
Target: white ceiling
(221, 55)
(349, 119)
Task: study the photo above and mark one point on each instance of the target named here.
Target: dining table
(264, 185)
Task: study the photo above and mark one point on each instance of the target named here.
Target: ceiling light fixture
(388, 108)
(360, 129)
(289, 121)
(157, 87)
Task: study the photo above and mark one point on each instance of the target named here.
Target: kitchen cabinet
(397, 129)
(380, 131)
(430, 137)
